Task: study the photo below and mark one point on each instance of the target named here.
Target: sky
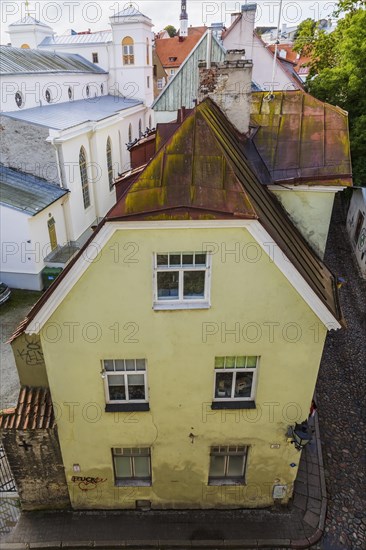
(82, 15)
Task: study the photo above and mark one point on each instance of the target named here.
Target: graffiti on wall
(32, 353)
(87, 483)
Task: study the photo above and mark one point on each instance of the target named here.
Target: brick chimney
(229, 85)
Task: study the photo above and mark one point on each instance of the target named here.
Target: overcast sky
(84, 14)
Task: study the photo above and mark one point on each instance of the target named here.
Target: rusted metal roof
(204, 171)
(302, 139)
(207, 170)
(33, 411)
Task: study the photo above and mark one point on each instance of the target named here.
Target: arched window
(25, 47)
(110, 163)
(128, 51)
(19, 99)
(84, 178)
(147, 52)
(129, 133)
(140, 127)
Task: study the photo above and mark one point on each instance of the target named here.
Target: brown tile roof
(174, 48)
(33, 411)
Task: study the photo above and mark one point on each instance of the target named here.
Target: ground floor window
(227, 465)
(132, 466)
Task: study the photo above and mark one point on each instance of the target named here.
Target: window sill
(133, 483)
(161, 306)
(216, 405)
(226, 481)
(126, 407)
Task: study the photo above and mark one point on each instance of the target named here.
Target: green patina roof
(300, 137)
(203, 171)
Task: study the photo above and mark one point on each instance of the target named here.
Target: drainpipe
(209, 49)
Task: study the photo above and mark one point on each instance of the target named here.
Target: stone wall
(36, 463)
(23, 146)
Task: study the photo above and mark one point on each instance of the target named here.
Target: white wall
(25, 243)
(85, 50)
(95, 142)
(33, 88)
(262, 58)
(32, 35)
(132, 79)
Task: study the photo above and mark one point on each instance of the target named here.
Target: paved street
(341, 402)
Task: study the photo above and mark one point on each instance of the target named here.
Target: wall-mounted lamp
(301, 434)
(103, 374)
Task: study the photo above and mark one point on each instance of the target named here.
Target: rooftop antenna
(270, 96)
(27, 8)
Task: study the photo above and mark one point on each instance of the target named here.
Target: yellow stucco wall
(311, 212)
(270, 320)
(29, 360)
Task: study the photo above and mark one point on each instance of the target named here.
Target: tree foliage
(338, 76)
(172, 31)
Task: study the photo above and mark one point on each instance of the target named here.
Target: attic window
(19, 99)
(171, 59)
(95, 57)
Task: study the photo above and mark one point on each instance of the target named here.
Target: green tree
(338, 76)
(172, 31)
(305, 36)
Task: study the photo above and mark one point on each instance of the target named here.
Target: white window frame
(124, 373)
(160, 83)
(134, 452)
(227, 451)
(180, 302)
(236, 370)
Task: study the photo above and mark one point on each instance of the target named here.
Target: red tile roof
(291, 56)
(33, 411)
(174, 48)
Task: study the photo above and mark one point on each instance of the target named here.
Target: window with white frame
(132, 466)
(125, 380)
(227, 465)
(161, 82)
(235, 378)
(182, 278)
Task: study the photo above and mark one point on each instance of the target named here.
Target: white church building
(69, 106)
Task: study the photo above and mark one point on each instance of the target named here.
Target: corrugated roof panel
(102, 37)
(28, 20)
(182, 89)
(61, 116)
(25, 192)
(27, 61)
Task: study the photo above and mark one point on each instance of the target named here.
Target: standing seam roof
(25, 192)
(27, 61)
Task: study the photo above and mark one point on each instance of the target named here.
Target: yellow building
(186, 337)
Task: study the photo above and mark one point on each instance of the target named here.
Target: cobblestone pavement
(341, 401)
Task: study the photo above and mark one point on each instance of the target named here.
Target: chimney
(183, 31)
(229, 85)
